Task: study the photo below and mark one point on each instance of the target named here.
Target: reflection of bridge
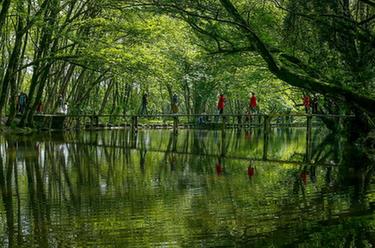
(174, 151)
(205, 121)
(59, 121)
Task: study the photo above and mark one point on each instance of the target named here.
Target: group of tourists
(219, 168)
(144, 103)
(311, 106)
(22, 100)
(252, 104)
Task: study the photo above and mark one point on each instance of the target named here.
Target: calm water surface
(197, 189)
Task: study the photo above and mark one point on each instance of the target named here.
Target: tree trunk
(4, 11)
(288, 69)
(106, 96)
(10, 78)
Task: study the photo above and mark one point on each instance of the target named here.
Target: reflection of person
(248, 135)
(142, 159)
(219, 167)
(173, 161)
(250, 170)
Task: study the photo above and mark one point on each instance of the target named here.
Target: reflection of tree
(6, 173)
(98, 190)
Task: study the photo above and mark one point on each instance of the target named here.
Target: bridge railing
(188, 120)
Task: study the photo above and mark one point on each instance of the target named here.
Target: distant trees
(320, 47)
(101, 55)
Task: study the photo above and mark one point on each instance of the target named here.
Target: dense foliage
(101, 56)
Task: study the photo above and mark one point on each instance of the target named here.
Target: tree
(225, 23)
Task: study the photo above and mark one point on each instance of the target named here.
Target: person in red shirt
(220, 104)
(253, 103)
(306, 103)
(39, 108)
(303, 177)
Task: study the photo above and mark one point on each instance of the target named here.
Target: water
(199, 189)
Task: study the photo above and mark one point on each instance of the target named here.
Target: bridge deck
(211, 121)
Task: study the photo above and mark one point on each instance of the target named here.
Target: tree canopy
(100, 56)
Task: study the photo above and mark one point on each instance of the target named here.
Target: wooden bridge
(176, 121)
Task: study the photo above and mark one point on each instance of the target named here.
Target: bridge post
(239, 121)
(134, 125)
(175, 124)
(50, 122)
(91, 122)
(223, 123)
(266, 135)
(96, 120)
(308, 137)
(78, 123)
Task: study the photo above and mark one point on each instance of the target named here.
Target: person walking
(22, 102)
(144, 104)
(221, 103)
(39, 108)
(253, 103)
(61, 104)
(174, 104)
(315, 104)
(18, 103)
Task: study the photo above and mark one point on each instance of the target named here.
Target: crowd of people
(310, 105)
(22, 101)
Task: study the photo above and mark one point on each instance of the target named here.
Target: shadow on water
(198, 188)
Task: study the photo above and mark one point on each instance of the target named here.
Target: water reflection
(205, 189)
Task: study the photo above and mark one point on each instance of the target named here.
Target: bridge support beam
(175, 124)
(134, 124)
(78, 123)
(308, 138)
(223, 124)
(266, 135)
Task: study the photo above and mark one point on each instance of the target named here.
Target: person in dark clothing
(18, 103)
(315, 105)
(22, 102)
(144, 104)
(174, 104)
(39, 108)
